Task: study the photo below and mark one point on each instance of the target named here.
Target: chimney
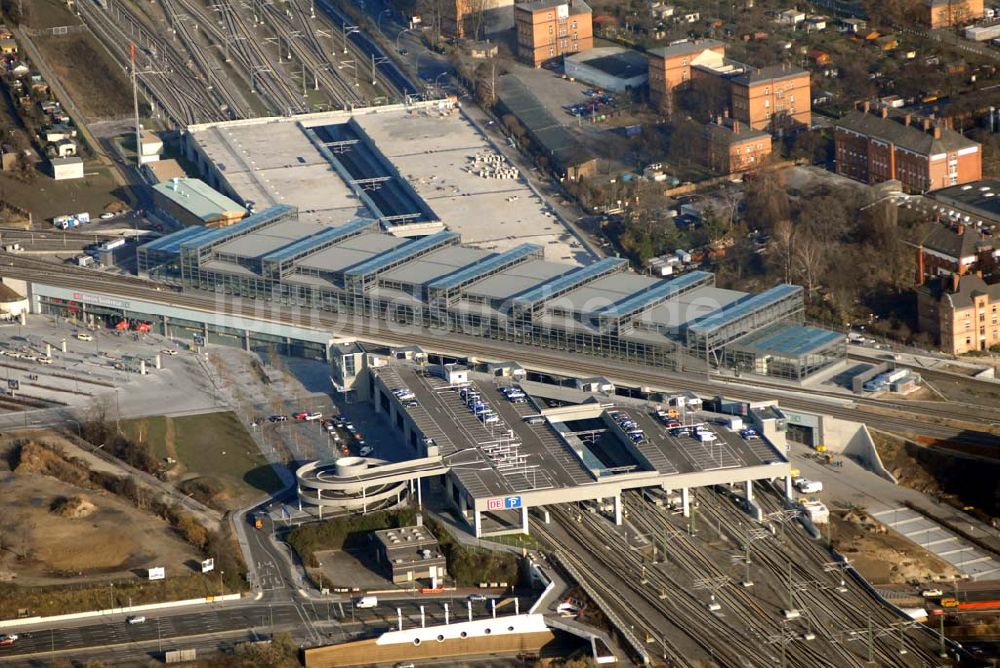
(927, 124)
(885, 112)
(736, 127)
(906, 120)
(960, 230)
(867, 106)
(920, 265)
(955, 278)
(937, 132)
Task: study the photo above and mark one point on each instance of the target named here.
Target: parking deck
(497, 469)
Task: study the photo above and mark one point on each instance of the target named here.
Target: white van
(366, 602)
(810, 486)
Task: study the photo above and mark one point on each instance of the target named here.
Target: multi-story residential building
(475, 19)
(670, 68)
(729, 146)
(875, 147)
(945, 13)
(548, 29)
(774, 98)
(962, 313)
(956, 249)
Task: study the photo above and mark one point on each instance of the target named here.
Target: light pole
(378, 23)
(398, 35)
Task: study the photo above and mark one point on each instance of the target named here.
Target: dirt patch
(943, 470)
(881, 555)
(60, 548)
(74, 508)
(91, 78)
(46, 198)
(94, 81)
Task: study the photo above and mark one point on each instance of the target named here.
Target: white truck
(366, 602)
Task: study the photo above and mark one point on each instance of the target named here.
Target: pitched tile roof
(947, 241)
(910, 137)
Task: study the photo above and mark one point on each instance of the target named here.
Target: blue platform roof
(738, 310)
(314, 241)
(401, 253)
(790, 340)
(473, 271)
(171, 243)
(248, 224)
(568, 280)
(660, 292)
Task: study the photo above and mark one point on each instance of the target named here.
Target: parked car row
(406, 397)
(31, 356)
(629, 426)
(514, 394)
(475, 403)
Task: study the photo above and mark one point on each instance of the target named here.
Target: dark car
(277, 418)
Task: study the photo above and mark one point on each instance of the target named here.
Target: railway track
(828, 601)
(171, 79)
(669, 591)
(554, 361)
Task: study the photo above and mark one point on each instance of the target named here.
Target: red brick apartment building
(548, 29)
(923, 155)
(729, 146)
(670, 68)
(774, 98)
(945, 13)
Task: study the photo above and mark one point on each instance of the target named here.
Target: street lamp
(398, 35)
(378, 23)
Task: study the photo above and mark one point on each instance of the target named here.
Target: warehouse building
(191, 202)
(611, 67)
(64, 169)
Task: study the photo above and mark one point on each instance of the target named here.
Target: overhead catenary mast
(135, 107)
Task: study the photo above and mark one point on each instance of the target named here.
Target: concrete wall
(521, 633)
(853, 440)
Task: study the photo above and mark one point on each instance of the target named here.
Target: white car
(106, 216)
(136, 619)
(366, 451)
(168, 351)
(931, 593)
(83, 336)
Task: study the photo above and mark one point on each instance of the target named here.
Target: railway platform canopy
(438, 283)
(788, 351)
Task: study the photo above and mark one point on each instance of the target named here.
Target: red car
(7, 640)
(301, 415)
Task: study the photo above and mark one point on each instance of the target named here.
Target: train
(952, 603)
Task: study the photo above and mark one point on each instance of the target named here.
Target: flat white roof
(350, 252)
(516, 280)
